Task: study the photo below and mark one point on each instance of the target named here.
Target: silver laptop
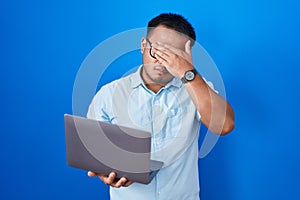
(103, 148)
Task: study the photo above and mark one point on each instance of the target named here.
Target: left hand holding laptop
(110, 179)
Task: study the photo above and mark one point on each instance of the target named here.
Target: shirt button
(158, 193)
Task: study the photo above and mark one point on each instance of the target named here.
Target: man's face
(153, 71)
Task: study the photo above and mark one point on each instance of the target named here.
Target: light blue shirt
(173, 120)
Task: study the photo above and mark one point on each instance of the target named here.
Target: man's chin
(161, 80)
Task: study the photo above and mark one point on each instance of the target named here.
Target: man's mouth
(161, 69)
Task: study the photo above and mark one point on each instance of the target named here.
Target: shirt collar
(137, 80)
(176, 82)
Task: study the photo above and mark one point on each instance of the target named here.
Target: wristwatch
(189, 76)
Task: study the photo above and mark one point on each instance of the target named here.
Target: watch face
(189, 75)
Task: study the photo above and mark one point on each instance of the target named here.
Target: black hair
(175, 22)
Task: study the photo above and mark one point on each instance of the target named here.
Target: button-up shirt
(173, 121)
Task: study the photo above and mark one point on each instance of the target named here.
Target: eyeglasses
(150, 51)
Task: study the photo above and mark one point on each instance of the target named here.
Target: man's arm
(215, 111)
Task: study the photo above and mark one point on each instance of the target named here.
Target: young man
(169, 98)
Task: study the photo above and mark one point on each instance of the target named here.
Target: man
(169, 98)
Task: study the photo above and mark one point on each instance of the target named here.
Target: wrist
(189, 75)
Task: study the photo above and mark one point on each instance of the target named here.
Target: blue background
(255, 45)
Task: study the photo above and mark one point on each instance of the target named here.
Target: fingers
(161, 48)
(165, 47)
(111, 179)
(105, 179)
(161, 56)
(162, 53)
(166, 52)
(120, 183)
(169, 49)
(91, 174)
(128, 183)
(108, 180)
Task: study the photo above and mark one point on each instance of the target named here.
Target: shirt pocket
(174, 121)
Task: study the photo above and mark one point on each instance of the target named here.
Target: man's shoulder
(124, 81)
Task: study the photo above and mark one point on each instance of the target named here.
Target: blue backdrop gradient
(255, 45)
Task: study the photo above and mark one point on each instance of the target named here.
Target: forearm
(215, 111)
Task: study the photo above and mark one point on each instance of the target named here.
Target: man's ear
(143, 45)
